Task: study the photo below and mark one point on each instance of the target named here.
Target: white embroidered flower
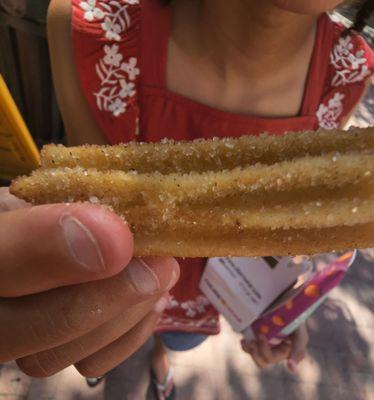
(114, 12)
(112, 29)
(114, 82)
(115, 73)
(328, 115)
(349, 66)
(356, 59)
(188, 307)
(130, 68)
(172, 303)
(181, 322)
(191, 307)
(117, 107)
(341, 50)
(127, 89)
(91, 11)
(112, 56)
(201, 303)
(346, 76)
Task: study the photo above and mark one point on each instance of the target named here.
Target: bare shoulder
(59, 29)
(79, 125)
(59, 15)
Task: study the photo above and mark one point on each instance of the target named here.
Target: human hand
(292, 350)
(70, 291)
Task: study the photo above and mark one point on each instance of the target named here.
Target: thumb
(299, 342)
(49, 246)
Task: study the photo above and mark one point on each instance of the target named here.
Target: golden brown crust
(300, 193)
(207, 155)
(256, 242)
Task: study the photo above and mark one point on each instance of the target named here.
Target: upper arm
(79, 123)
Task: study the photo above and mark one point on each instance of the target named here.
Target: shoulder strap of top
(318, 68)
(350, 66)
(156, 25)
(351, 58)
(106, 39)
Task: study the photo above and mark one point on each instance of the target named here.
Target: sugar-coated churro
(301, 193)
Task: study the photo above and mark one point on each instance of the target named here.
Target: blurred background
(340, 364)
(24, 63)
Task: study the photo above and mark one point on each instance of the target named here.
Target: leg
(175, 341)
(160, 365)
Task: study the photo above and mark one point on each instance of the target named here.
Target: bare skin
(231, 59)
(73, 106)
(70, 292)
(306, 6)
(160, 364)
(236, 45)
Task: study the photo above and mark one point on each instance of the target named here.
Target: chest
(279, 94)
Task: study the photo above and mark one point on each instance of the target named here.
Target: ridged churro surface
(207, 155)
(301, 193)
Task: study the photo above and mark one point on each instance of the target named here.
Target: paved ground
(340, 364)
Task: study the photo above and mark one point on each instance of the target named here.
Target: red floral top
(120, 53)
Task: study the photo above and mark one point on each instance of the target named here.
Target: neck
(250, 36)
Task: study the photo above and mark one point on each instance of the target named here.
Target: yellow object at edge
(18, 151)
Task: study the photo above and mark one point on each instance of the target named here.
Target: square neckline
(155, 11)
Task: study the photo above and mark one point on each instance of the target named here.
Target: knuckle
(69, 317)
(79, 313)
(69, 323)
(56, 326)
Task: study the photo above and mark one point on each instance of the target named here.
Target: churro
(301, 193)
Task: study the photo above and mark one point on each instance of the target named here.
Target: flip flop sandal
(161, 388)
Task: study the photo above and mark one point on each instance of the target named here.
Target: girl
(182, 69)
